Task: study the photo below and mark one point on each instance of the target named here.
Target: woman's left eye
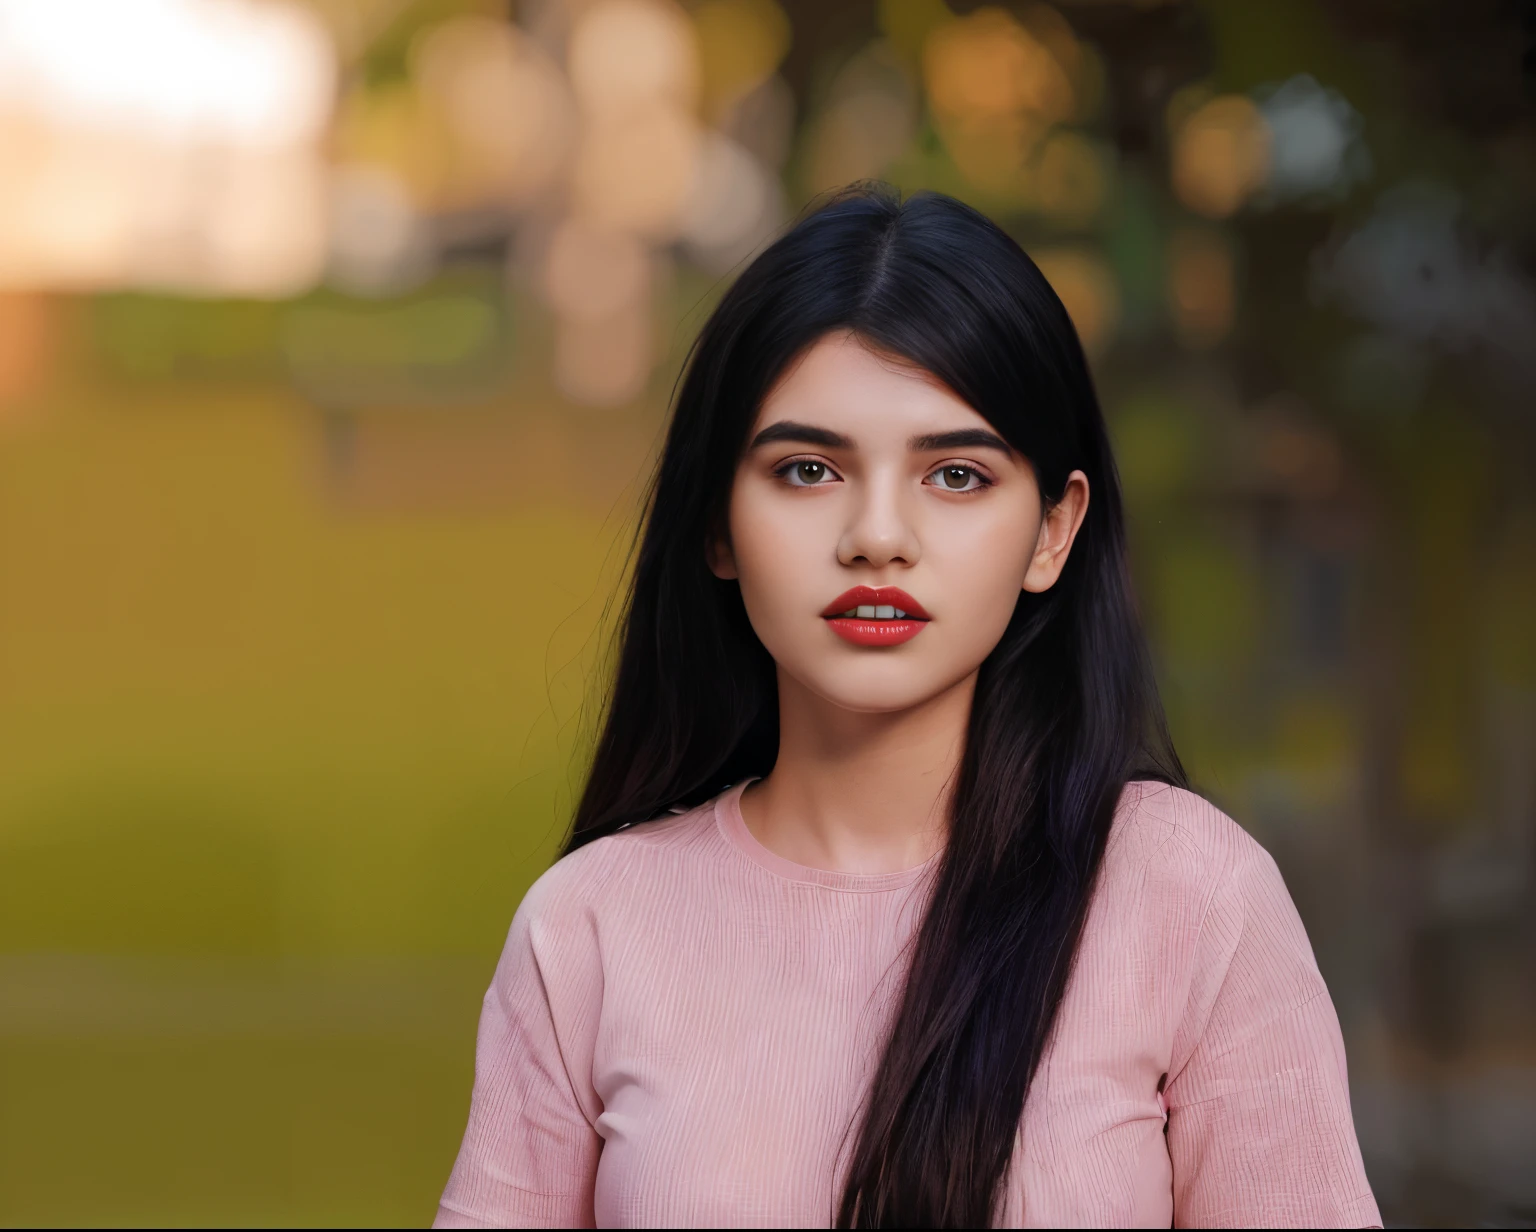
(806, 473)
(957, 479)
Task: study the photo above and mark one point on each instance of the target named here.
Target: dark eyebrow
(804, 434)
(966, 438)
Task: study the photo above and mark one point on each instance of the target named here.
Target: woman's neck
(859, 793)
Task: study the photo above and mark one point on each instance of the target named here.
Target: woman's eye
(806, 474)
(957, 479)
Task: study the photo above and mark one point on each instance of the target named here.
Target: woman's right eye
(806, 473)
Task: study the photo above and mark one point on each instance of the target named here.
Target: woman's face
(869, 488)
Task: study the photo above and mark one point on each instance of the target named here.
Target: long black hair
(1065, 712)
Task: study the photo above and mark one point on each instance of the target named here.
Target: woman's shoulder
(616, 887)
(603, 875)
(1179, 838)
(1191, 892)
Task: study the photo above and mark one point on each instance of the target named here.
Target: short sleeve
(1259, 1126)
(530, 1151)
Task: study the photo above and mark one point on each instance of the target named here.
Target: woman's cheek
(776, 571)
(981, 565)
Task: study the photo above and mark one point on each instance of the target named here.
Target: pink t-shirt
(682, 1026)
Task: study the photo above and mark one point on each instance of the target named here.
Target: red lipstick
(869, 625)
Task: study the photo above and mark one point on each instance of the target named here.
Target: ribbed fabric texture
(682, 1025)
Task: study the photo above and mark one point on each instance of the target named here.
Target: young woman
(886, 904)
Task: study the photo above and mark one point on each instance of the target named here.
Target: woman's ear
(1058, 528)
(718, 555)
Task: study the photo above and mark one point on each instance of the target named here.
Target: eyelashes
(957, 477)
(806, 473)
(954, 477)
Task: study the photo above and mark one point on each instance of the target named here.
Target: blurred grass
(261, 748)
(264, 1124)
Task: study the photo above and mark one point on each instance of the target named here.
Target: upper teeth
(875, 611)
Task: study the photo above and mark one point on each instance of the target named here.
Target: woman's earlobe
(1042, 573)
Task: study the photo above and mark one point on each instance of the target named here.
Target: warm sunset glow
(162, 143)
(246, 71)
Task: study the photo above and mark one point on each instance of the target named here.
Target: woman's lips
(867, 616)
(875, 596)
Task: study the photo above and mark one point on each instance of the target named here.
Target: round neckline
(733, 826)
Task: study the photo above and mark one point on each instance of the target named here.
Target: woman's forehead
(845, 385)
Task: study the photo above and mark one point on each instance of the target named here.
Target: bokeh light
(627, 54)
(1202, 288)
(238, 71)
(1317, 146)
(599, 283)
(1087, 288)
(506, 102)
(867, 122)
(741, 43)
(1221, 155)
(163, 143)
(995, 89)
(29, 329)
(733, 205)
(987, 66)
(1071, 178)
(634, 170)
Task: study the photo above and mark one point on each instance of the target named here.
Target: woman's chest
(731, 1075)
(729, 1070)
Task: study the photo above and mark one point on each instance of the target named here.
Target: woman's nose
(880, 532)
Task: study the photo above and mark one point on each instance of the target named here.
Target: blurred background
(335, 342)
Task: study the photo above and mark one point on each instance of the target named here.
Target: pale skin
(849, 480)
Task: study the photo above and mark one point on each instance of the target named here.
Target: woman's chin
(877, 689)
